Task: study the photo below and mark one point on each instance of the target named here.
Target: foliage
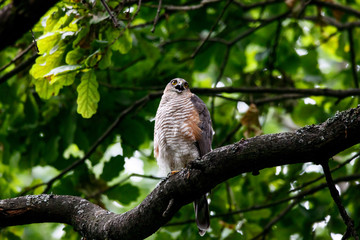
(88, 72)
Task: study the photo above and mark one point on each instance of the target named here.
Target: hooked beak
(180, 87)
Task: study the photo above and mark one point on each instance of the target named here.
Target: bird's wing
(205, 138)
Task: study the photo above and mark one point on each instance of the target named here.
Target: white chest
(173, 134)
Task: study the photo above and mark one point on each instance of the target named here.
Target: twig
(336, 197)
(33, 36)
(122, 181)
(221, 73)
(310, 92)
(188, 8)
(211, 30)
(126, 66)
(231, 134)
(277, 218)
(331, 21)
(130, 88)
(157, 16)
(259, 207)
(353, 57)
(272, 56)
(263, 24)
(18, 68)
(258, 4)
(113, 18)
(322, 176)
(22, 53)
(336, 6)
(120, 117)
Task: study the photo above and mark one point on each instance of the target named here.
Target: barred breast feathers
(176, 130)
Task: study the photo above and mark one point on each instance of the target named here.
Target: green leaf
(44, 64)
(61, 70)
(74, 56)
(93, 59)
(124, 43)
(46, 42)
(125, 194)
(113, 168)
(65, 79)
(88, 95)
(45, 89)
(105, 62)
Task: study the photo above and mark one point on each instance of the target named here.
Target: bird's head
(177, 85)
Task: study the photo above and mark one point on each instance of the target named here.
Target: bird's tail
(202, 216)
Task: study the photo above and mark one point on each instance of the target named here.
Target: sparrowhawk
(183, 133)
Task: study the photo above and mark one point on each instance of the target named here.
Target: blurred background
(79, 93)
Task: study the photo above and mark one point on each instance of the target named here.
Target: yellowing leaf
(61, 71)
(250, 121)
(45, 89)
(64, 79)
(88, 95)
(47, 42)
(44, 64)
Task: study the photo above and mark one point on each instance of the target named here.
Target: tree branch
(113, 18)
(307, 144)
(309, 92)
(18, 17)
(336, 197)
(353, 58)
(19, 68)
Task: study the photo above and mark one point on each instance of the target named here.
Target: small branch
(110, 129)
(336, 6)
(257, 4)
(310, 92)
(336, 197)
(188, 8)
(297, 197)
(122, 181)
(333, 22)
(353, 57)
(130, 88)
(217, 40)
(322, 176)
(263, 24)
(22, 53)
(113, 18)
(211, 30)
(157, 16)
(34, 41)
(18, 68)
(221, 73)
(272, 56)
(277, 218)
(128, 65)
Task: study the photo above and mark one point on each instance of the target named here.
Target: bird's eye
(186, 85)
(174, 82)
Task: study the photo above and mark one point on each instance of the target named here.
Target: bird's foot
(172, 173)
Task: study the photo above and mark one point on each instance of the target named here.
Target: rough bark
(19, 16)
(314, 143)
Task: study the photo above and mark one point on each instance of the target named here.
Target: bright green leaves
(122, 40)
(88, 95)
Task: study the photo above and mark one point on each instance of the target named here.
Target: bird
(183, 132)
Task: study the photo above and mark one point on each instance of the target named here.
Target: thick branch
(308, 92)
(307, 144)
(18, 17)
